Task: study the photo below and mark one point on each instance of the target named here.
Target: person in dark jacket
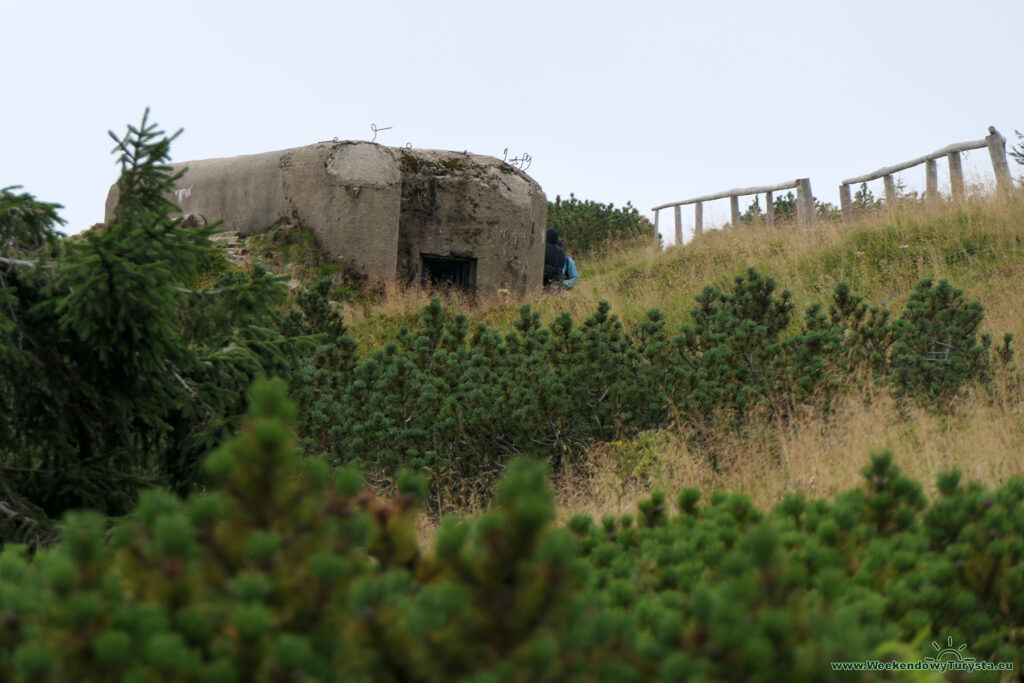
(555, 259)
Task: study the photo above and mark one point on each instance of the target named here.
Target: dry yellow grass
(820, 456)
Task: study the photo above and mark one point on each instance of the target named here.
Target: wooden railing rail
(804, 205)
(995, 143)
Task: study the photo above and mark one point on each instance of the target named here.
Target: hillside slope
(976, 246)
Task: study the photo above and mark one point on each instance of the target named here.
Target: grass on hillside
(977, 246)
(816, 455)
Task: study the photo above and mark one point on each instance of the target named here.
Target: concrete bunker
(414, 216)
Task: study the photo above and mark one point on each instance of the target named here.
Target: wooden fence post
(890, 190)
(997, 150)
(804, 204)
(956, 176)
(846, 203)
(679, 224)
(931, 172)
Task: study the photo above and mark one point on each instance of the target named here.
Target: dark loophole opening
(450, 271)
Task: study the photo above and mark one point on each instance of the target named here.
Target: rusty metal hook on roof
(522, 163)
(375, 129)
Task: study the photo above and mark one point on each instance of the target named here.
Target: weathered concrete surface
(378, 210)
(348, 194)
(472, 206)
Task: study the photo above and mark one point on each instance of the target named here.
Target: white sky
(644, 101)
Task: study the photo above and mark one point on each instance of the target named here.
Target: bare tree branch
(16, 262)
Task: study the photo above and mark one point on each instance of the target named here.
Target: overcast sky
(650, 102)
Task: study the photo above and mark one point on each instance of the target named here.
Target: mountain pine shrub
(937, 348)
(588, 226)
(457, 404)
(287, 570)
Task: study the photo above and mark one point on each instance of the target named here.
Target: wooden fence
(995, 142)
(805, 211)
(804, 205)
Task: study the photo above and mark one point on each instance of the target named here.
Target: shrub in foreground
(287, 571)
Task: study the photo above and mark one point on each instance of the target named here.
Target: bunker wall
(378, 210)
(473, 208)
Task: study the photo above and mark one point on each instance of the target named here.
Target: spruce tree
(108, 379)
